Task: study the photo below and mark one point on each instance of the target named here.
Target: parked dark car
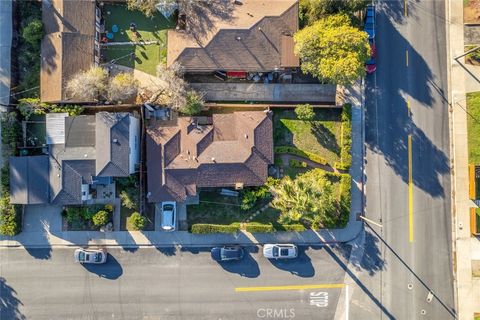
(371, 64)
(227, 253)
(370, 22)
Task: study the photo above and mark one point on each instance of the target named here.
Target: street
(408, 169)
(168, 283)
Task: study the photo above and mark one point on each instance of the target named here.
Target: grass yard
(473, 125)
(147, 56)
(320, 136)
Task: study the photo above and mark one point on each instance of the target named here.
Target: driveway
(42, 218)
(5, 47)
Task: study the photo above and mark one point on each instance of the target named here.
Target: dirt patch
(471, 11)
(476, 268)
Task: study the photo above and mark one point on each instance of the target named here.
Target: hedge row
(10, 217)
(254, 227)
(346, 145)
(297, 164)
(292, 150)
(203, 228)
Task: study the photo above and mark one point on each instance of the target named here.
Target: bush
(304, 112)
(255, 227)
(100, 218)
(346, 141)
(11, 133)
(203, 228)
(10, 217)
(128, 199)
(33, 32)
(109, 207)
(5, 178)
(194, 103)
(293, 227)
(137, 221)
(297, 164)
(249, 198)
(30, 106)
(292, 150)
(341, 166)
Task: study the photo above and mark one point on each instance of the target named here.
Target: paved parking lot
(169, 283)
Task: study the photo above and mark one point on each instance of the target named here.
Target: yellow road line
(285, 288)
(405, 8)
(410, 190)
(406, 56)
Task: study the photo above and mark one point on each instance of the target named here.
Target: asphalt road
(411, 255)
(165, 283)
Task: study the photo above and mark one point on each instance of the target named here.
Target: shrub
(194, 103)
(249, 198)
(346, 146)
(341, 166)
(100, 218)
(128, 200)
(292, 150)
(255, 227)
(137, 221)
(293, 227)
(10, 217)
(304, 112)
(11, 133)
(72, 110)
(5, 178)
(33, 32)
(71, 214)
(297, 164)
(109, 207)
(203, 228)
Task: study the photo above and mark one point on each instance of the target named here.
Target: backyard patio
(151, 32)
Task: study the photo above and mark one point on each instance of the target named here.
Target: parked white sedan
(280, 251)
(90, 256)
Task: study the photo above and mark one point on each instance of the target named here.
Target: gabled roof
(112, 137)
(257, 36)
(234, 149)
(68, 45)
(68, 187)
(29, 180)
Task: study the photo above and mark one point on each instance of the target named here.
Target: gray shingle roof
(112, 137)
(29, 180)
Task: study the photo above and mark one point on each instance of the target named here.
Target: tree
(194, 103)
(122, 87)
(304, 112)
(89, 85)
(100, 218)
(308, 197)
(147, 7)
(137, 221)
(333, 50)
(33, 32)
(313, 10)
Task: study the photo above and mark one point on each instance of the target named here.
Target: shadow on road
(247, 267)
(110, 270)
(168, 251)
(301, 266)
(9, 303)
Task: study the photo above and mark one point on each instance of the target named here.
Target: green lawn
(320, 136)
(473, 124)
(148, 56)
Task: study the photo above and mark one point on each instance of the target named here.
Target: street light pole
(370, 221)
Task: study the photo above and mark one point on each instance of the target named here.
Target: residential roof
(113, 138)
(255, 36)
(29, 180)
(234, 149)
(68, 45)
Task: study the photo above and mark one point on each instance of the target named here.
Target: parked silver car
(169, 216)
(90, 256)
(280, 251)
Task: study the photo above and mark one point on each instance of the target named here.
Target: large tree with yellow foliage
(332, 50)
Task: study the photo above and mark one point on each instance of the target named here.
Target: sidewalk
(467, 302)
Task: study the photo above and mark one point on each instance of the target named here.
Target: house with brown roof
(70, 45)
(225, 150)
(256, 36)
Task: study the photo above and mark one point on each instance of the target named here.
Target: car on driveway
(227, 253)
(371, 64)
(90, 256)
(169, 216)
(280, 251)
(369, 26)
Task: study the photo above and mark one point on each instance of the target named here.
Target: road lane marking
(405, 8)
(410, 190)
(406, 56)
(286, 288)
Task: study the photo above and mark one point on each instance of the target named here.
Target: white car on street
(90, 256)
(280, 251)
(169, 216)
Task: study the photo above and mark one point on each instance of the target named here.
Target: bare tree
(88, 85)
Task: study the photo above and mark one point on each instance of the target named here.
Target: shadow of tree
(9, 303)
(325, 137)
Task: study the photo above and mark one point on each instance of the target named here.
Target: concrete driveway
(5, 47)
(42, 218)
